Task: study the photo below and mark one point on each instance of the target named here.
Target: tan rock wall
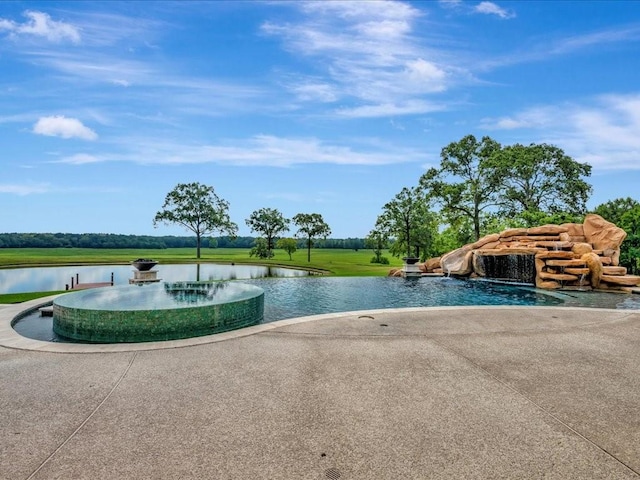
(568, 256)
(601, 234)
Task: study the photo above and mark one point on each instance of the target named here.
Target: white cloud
(265, 151)
(603, 37)
(450, 3)
(490, 8)
(107, 29)
(537, 117)
(166, 90)
(121, 83)
(379, 10)
(603, 131)
(97, 67)
(315, 91)
(61, 126)
(80, 159)
(28, 189)
(545, 49)
(368, 52)
(427, 74)
(412, 107)
(40, 24)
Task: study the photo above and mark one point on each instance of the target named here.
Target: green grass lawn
(339, 262)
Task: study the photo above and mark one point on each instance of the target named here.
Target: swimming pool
(298, 297)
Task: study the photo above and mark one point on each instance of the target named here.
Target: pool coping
(9, 338)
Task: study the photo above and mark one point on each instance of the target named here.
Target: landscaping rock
(581, 248)
(594, 263)
(547, 230)
(611, 270)
(603, 234)
(486, 239)
(626, 280)
(458, 262)
(432, 264)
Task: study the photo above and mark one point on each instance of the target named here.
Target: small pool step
(46, 311)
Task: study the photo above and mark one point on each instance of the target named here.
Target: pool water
(297, 297)
(160, 296)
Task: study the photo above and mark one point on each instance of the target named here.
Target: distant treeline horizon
(118, 241)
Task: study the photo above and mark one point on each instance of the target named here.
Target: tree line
(149, 242)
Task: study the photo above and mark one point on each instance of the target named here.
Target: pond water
(289, 298)
(45, 279)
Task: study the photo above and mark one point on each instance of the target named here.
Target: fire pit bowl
(144, 264)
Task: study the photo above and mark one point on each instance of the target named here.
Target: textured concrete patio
(475, 393)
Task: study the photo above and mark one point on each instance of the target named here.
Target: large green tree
(311, 226)
(467, 184)
(196, 207)
(270, 223)
(540, 179)
(625, 213)
(408, 220)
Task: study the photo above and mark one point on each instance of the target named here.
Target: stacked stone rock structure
(568, 256)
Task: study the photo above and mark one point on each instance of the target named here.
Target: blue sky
(327, 107)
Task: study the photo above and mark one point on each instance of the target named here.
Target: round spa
(155, 312)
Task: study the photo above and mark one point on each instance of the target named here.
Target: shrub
(381, 260)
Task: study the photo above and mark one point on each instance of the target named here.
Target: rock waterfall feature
(571, 256)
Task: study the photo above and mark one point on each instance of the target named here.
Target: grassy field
(339, 262)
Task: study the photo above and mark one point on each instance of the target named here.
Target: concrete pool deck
(478, 392)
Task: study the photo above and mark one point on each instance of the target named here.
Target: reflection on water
(158, 296)
(44, 279)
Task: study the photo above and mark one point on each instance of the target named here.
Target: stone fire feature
(143, 272)
(568, 256)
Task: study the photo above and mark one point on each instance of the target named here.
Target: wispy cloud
(536, 117)
(135, 82)
(40, 24)
(267, 150)
(490, 8)
(18, 118)
(112, 61)
(61, 126)
(100, 29)
(80, 159)
(620, 34)
(565, 45)
(259, 150)
(25, 189)
(450, 3)
(94, 66)
(604, 131)
(314, 91)
(369, 53)
(411, 107)
(484, 8)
